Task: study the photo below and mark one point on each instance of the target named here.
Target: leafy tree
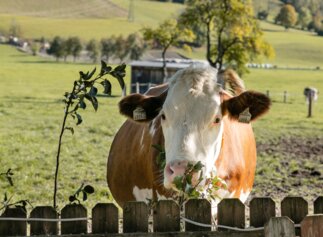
(92, 48)
(135, 46)
(56, 47)
(121, 49)
(287, 16)
(168, 33)
(316, 23)
(108, 48)
(304, 18)
(73, 46)
(233, 36)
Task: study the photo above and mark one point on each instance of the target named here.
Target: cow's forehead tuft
(196, 79)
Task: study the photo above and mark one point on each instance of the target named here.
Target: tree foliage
(233, 36)
(168, 33)
(92, 49)
(56, 47)
(73, 46)
(287, 16)
(304, 17)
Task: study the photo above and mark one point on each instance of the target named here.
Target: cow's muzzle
(177, 168)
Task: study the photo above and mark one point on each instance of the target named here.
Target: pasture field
(31, 113)
(50, 18)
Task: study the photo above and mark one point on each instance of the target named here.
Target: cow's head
(191, 112)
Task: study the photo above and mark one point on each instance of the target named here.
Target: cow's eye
(163, 117)
(216, 120)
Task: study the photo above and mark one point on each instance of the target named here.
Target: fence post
(318, 205)
(74, 227)
(135, 217)
(137, 87)
(166, 216)
(267, 93)
(285, 96)
(198, 210)
(261, 210)
(105, 218)
(279, 226)
(296, 208)
(231, 212)
(312, 226)
(44, 227)
(310, 104)
(13, 228)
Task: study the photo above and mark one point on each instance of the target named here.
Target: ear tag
(245, 116)
(139, 114)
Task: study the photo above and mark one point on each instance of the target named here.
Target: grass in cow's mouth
(187, 189)
(161, 158)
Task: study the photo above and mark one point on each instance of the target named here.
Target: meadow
(31, 108)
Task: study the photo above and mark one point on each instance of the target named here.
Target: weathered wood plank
(174, 234)
(231, 212)
(42, 227)
(198, 210)
(312, 226)
(166, 216)
(105, 218)
(13, 228)
(74, 227)
(261, 210)
(135, 217)
(318, 205)
(279, 226)
(296, 208)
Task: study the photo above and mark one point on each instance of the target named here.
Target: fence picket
(296, 208)
(318, 205)
(43, 227)
(13, 228)
(231, 212)
(280, 226)
(261, 210)
(312, 226)
(166, 216)
(198, 210)
(74, 227)
(135, 217)
(105, 218)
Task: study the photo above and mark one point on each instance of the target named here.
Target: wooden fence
(166, 219)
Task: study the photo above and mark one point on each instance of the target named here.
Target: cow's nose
(173, 169)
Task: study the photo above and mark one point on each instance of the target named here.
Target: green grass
(290, 117)
(31, 113)
(147, 13)
(294, 48)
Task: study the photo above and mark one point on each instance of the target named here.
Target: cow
(195, 120)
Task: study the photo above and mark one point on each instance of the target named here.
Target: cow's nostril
(169, 170)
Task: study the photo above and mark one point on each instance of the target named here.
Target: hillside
(63, 9)
(86, 19)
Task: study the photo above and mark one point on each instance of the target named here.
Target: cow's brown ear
(141, 108)
(255, 103)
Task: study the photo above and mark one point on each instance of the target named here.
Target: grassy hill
(86, 19)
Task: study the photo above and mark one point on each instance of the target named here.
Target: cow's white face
(191, 122)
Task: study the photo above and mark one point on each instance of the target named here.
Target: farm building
(149, 72)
